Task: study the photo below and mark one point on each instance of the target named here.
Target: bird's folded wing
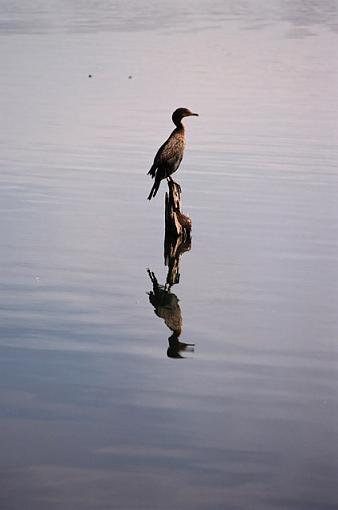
(172, 149)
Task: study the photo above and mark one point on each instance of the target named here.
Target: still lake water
(93, 413)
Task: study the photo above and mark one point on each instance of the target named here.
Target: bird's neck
(179, 128)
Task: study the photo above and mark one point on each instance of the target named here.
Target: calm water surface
(93, 413)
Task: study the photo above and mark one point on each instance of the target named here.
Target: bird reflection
(175, 347)
(166, 303)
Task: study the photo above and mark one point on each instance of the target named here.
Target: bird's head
(180, 113)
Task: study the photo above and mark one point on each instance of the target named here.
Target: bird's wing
(172, 149)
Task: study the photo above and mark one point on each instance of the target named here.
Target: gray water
(93, 413)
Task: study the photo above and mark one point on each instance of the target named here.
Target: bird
(169, 156)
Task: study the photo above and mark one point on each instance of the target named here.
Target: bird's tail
(154, 190)
(152, 171)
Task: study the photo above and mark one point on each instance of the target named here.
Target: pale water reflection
(93, 414)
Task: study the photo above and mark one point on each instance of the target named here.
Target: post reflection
(165, 302)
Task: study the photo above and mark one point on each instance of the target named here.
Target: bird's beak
(194, 114)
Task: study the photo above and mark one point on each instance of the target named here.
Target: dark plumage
(170, 154)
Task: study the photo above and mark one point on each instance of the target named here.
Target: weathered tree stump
(177, 224)
(177, 237)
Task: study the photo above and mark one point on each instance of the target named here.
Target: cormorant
(170, 154)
